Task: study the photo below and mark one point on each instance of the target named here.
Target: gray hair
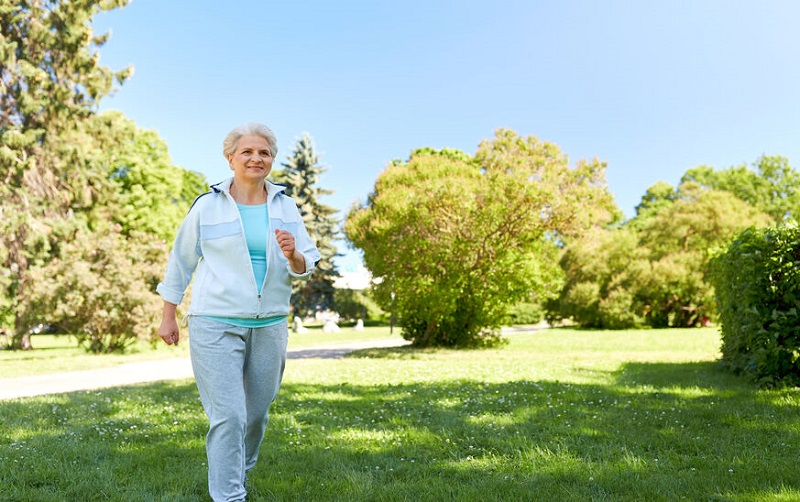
(251, 129)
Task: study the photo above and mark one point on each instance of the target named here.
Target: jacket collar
(225, 187)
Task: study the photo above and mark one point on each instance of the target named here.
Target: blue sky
(652, 88)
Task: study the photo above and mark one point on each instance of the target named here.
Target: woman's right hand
(168, 331)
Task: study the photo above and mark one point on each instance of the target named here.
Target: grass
(555, 415)
(61, 353)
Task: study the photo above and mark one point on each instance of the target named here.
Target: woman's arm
(169, 331)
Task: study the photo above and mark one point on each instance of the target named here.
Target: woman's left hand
(286, 242)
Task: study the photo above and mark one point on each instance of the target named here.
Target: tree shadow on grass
(652, 432)
(656, 432)
(138, 443)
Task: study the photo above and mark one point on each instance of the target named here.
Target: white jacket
(211, 239)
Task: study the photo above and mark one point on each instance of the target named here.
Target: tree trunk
(21, 341)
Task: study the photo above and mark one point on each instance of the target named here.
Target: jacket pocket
(280, 224)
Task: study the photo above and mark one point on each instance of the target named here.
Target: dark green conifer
(301, 175)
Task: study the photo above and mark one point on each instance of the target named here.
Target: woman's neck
(249, 194)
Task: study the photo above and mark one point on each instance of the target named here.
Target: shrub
(757, 281)
(101, 289)
(524, 313)
(356, 304)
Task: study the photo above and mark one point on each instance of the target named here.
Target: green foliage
(456, 240)
(656, 198)
(149, 194)
(69, 173)
(757, 281)
(680, 240)
(100, 288)
(358, 304)
(301, 176)
(50, 83)
(654, 269)
(773, 187)
(601, 270)
(524, 313)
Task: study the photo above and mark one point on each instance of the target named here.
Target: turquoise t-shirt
(254, 221)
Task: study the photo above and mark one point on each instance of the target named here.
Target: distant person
(246, 239)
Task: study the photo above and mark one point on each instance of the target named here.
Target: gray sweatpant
(238, 373)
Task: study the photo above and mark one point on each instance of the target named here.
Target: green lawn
(555, 415)
(60, 353)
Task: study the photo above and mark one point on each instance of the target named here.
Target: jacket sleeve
(183, 259)
(307, 248)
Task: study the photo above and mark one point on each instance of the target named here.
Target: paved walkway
(152, 371)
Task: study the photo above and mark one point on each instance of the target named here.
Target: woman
(246, 240)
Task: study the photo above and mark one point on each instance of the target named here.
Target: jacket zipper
(249, 263)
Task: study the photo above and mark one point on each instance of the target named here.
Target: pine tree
(50, 85)
(301, 177)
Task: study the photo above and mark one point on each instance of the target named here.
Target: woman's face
(252, 159)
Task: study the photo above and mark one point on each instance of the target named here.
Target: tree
(456, 240)
(656, 198)
(85, 193)
(301, 176)
(680, 240)
(353, 304)
(773, 187)
(50, 81)
(116, 240)
(602, 270)
(148, 193)
(100, 288)
(653, 270)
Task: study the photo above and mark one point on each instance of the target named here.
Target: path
(152, 371)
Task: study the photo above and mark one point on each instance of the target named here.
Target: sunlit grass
(61, 353)
(554, 415)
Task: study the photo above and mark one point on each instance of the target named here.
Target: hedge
(757, 283)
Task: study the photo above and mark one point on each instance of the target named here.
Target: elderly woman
(246, 240)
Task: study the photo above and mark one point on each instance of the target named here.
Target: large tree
(653, 270)
(50, 82)
(148, 193)
(680, 240)
(456, 240)
(81, 192)
(771, 185)
(115, 241)
(301, 174)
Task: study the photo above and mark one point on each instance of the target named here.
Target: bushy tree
(357, 304)
(602, 272)
(115, 239)
(654, 269)
(772, 187)
(757, 282)
(656, 198)
(301, 176)
(78, 187)
(100, 288)
(680, 240)
(148, 193)
(457, 239)
(50, 81)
